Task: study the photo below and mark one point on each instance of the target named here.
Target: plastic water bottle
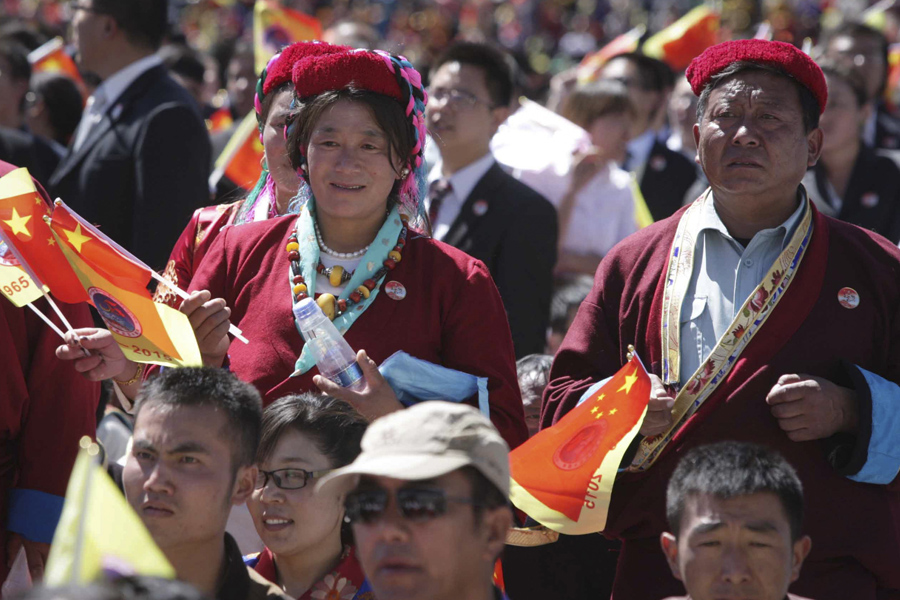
(333, 355)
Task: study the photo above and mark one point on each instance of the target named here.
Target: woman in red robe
(357, 137)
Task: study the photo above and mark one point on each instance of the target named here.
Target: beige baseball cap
(425, 441)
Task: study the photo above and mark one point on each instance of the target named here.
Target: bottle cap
(306, 308)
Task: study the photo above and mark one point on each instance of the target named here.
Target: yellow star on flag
(599, 414)
(37, 200)
(77, 239)
(51, 242)
(595, 409)
(601, 397)
(19, 224)
(613, 411)
(630, 380)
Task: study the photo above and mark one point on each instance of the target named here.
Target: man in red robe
(762, 321)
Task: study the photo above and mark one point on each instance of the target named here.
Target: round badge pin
(395, 290)
(480, 207)
(848, 297)
(869, 200)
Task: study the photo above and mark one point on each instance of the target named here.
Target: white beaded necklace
(345, 255)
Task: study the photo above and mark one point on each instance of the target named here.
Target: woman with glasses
(308, 549)
(356, 136)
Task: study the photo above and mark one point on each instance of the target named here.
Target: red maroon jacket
(452, 315)
(855, 527)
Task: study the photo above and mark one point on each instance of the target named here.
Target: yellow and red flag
(116, 286)
(563, 476)
(241, 160)
(28, 246)
(52, 58)
(219, 120)
(98, 531)
(590, 66)
(275, 27)
(685, 39)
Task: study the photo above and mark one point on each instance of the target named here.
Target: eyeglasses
(76, 6)
(456, 99)
(417, 505)
(288, 479)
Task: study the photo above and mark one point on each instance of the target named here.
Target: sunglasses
(417, 505)
(288, 479)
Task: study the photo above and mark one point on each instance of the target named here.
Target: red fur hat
(365, 70)
(281, 67)
(782, 55)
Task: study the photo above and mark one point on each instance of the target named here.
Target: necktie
(437, 191)
(93, 112)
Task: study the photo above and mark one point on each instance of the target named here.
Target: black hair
(209, 387)
(23, 34)
(653, 75)
(130, 587)
(533, 373)
(183, 60)
(730, 469)
(335, 427)
(809, 106)
(63, 101)
(144, 22)
(852, 78)
(567, 296)
(855, 29)
(17, 56)
(499, 68)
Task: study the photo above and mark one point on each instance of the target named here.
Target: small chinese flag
(275, 27)
(563, 476)
(116, 286)
(241, 159)
(685, 39)
(591, 65)
(52, 58)
(219, 120)
(29, 240)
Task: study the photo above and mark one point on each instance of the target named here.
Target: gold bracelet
(133, 380)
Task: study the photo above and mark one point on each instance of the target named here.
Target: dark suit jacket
(143, 168)
(668, 175)
(872, 199)
(512, 229)
(28, 150)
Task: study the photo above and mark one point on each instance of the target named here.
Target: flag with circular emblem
(563, 476)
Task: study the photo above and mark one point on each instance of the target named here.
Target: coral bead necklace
(338, 276)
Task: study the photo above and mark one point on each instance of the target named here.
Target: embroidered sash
(747, 322)
(370, 263)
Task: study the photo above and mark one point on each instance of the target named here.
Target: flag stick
(232, 329)
(46, 320)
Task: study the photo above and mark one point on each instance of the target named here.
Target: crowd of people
(491, 260)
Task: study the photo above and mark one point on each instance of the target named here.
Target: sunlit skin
(102, 48)
(753, 148)
(864, 55)
(287, 182)
(351, 175)
(463, 133)
(609, 136)
(646, 102)
(735, 549)
(446, 558)
(179, 479)
(300, 527)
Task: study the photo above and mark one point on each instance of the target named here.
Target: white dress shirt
(462, 182)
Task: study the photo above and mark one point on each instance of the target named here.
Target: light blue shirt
(724, 276)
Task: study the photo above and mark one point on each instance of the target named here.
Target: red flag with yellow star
(116, 285)
(563, 476)
(29, 245)
(52, 58)
(241, 159)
